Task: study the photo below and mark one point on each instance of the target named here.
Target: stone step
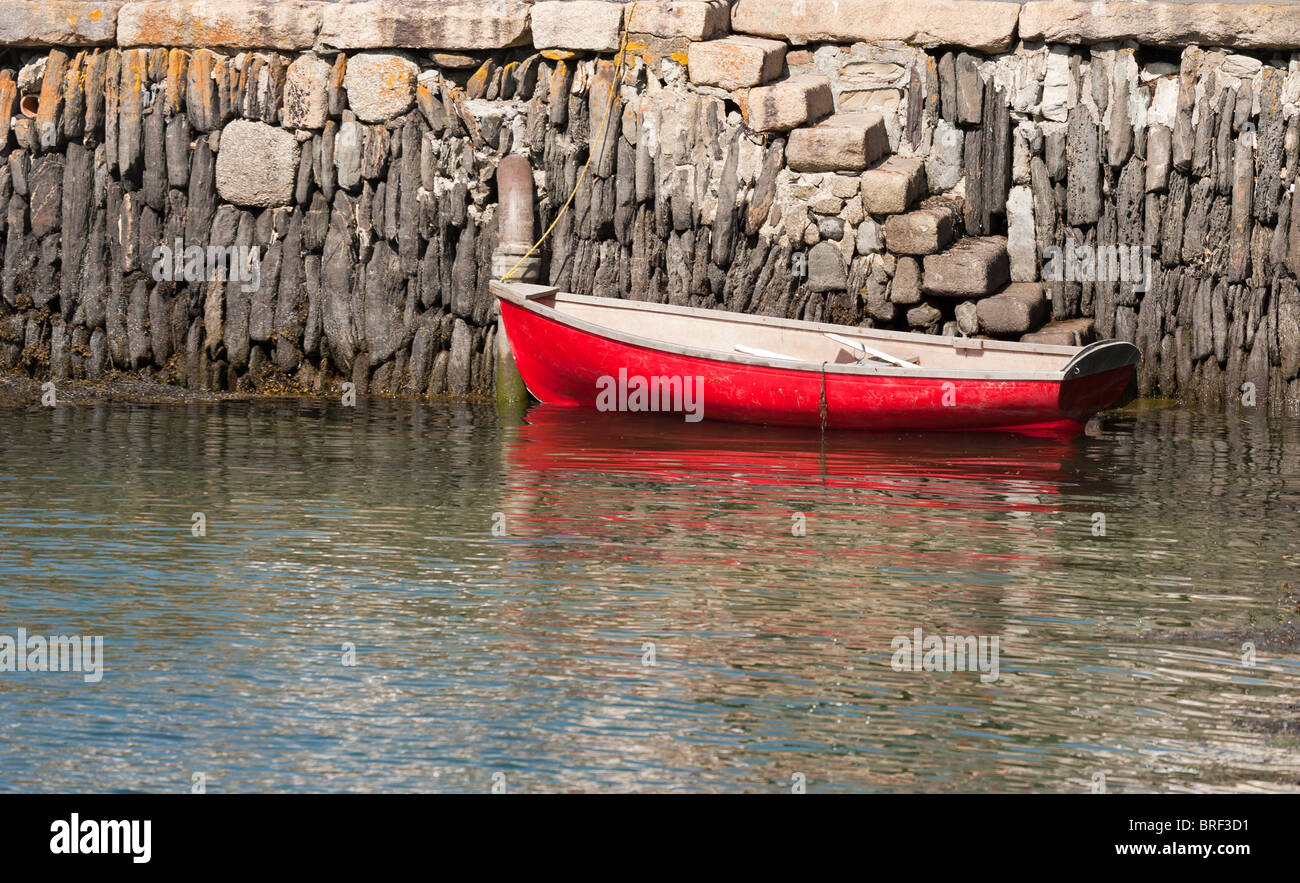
(1019, 308)
(925, 231)
(975, 267)
(735, 62)
(1069, 332)
(845, 142)
(788, 104)
(893, 186)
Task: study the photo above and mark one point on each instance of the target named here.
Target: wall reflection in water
(525, 652)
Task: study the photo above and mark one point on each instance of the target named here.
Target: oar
(862, 347)
(765, 354)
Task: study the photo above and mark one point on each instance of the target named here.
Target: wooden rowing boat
(625, 355)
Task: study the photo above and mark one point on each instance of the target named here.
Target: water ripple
(584, 604)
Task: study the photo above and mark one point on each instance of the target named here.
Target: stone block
(906, 287)
(1020, 308)
(871, 238)
(257, 164)
(924, 316)
(380, 86)
(234, 24)
(975, 267)
(735, 62)
(788, 104)
(922, 232)
(1235, 25)
(844, 142)
(689, 19)
(589, 25)
(986, 25)
(826, 270)
(27, 24)
(306, 98)
(1022, 242)
(893, 186)
(463, 25)
(1071, 332)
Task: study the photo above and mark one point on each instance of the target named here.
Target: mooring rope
(600, 141)
(823, 409)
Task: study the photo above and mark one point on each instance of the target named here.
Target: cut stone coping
(25, 24)
(277, 24)
(235, 24)
(989, 26)
(691, 19)
(590, 25)
(1237, 25)
(447, 24)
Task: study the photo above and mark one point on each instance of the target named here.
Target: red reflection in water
(894, 522)
(638, 477)
(666, 448)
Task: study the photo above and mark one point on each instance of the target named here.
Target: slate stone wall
(363, 176)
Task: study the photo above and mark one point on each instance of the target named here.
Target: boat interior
(784, 340)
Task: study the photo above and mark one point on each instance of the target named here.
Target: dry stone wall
(288, 195)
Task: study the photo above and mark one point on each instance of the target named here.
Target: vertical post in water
(515, 238)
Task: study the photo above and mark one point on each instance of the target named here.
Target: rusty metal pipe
(515, 196)
(515, 221)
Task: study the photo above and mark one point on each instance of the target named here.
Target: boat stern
(1096, 378)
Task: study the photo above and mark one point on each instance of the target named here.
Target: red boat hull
(562, 364)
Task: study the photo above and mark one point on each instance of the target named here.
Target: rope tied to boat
(620, 62)
(822, 409)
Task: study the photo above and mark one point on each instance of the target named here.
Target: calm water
(525, 654)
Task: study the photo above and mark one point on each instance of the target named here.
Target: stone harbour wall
(1051, 171)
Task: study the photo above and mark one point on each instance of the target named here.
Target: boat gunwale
(529, 300)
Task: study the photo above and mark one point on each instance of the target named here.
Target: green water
(588, 602)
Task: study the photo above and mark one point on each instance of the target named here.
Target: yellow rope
(600, 141)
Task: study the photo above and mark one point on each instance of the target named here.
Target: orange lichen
(478, 82)
(177, 67)
(395, 81)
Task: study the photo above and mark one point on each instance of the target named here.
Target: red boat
(627, 356)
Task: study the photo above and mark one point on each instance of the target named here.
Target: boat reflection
(663, 447)
(654, 482)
